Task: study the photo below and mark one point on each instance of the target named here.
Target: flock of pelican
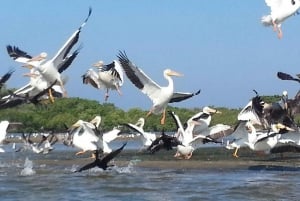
(267, 127)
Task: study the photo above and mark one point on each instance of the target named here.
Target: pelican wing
(112, 155)
(139, 78)
(17, 54)
(91, 77)
(135, 128)
(66, 48)
(6, 77)
(179, 96)
(67, 61)
(285, 76)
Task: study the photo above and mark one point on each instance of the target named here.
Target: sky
(220, 46)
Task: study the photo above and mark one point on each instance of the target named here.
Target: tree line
(66, 111)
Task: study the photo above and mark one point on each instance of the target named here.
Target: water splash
(28, 168)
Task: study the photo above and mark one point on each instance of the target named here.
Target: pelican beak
(211, 110)
(27, 66)
(76, 125)
(40, 57)
(174, 73)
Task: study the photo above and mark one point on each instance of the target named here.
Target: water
(29, 176)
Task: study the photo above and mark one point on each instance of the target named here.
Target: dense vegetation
(67, 111)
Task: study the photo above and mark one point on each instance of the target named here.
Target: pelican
(102, 163)
(265, 114)
(3, 131)
(108, 77)
(51, 69)
(188, 142)
(160, 96)
(266, 140)
(83, 135)
(146, 137)
(203, 118)
(240, 136)
(280, 11)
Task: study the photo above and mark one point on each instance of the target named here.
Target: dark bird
(160, 96)
(285, 76)
(102, 163)
(163, 142)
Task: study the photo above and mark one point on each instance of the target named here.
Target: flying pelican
(146, 137)
(280, 11)
(189, 142)
(160, 96)
(51, 69)
(3, 131)
(108, 77)
(102, 163)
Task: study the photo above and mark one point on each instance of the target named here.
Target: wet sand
(208, 159)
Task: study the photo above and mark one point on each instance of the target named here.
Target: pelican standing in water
(51, 69)
(160, 96)
(3, 131)
(280, 11)
(108, 77)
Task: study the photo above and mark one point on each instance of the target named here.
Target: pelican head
(40, 57)
(169, 72)
(209, 110)
(98, 64)
(140, 122)
(285, 93)
(277, 127)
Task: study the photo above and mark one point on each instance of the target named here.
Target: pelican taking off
(280, 11)
(109, 76)
(51, 69)
(160, 96)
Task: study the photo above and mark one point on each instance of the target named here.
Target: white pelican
(160, 96)
(240, 136)
(108, 77)
(265, 140)
(189, 142)
(102, 163)
(84, 135)
(146, 137)
(280, 11)
(203, 118)
(3, 131)
(51, 69)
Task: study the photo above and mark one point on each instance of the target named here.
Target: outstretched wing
(179, 96)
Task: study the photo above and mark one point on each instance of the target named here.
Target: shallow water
(57, 181)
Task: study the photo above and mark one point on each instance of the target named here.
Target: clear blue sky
(220, 46)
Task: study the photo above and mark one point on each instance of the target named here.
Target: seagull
(160, 96)
(280, 11)
(108, 77)
(146, 137)
(51, 69)
(102, 163)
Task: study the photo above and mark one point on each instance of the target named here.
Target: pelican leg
(163, 119)
(274, 26)
(149, 113)
(279, 34)
(118, 90)
(189, 156)
(235, 152)
(51, 96)
(106, 95)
